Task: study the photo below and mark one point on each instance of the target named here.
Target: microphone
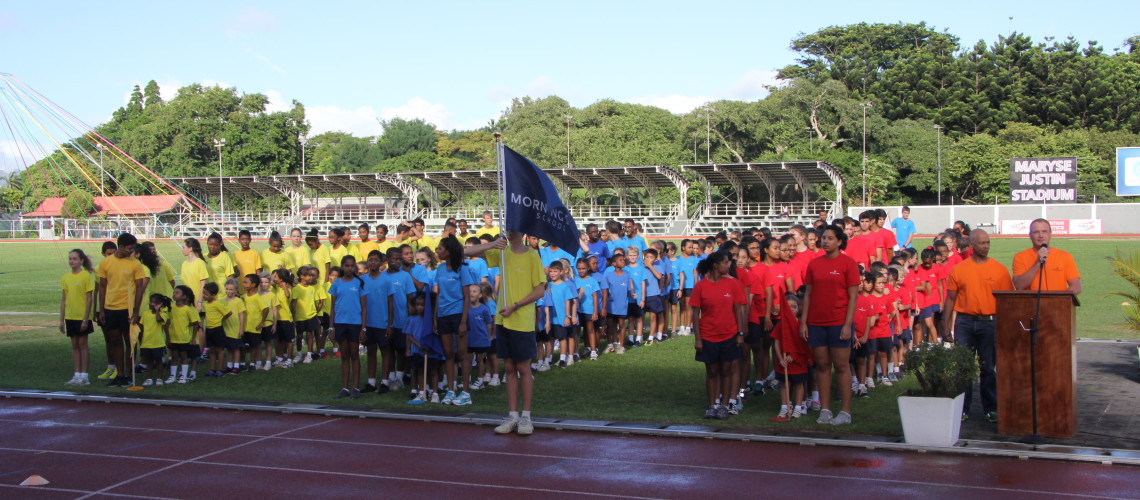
(1046, 246)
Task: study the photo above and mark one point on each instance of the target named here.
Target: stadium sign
(1127, 171)
(1043, 180)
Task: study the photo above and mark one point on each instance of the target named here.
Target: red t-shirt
(777, 279)
(954, 259)
(716, 300)
(865, 307)
(882, 328)
(932, 276)
(801, 261)
(888, 244)
(829, 280)
(787, 332)
(857, 249)
(757, 282)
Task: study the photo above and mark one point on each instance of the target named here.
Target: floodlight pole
(865, 105)
(102, 187)
(938, 130)
(303, 141)
(218, 143)
(568, 118)
(708, 134)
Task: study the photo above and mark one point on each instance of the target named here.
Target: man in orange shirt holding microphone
(1060, 270)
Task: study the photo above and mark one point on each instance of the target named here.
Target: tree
(152, 98)
(78, 204)
(405, 136)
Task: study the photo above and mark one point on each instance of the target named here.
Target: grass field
(656, 384)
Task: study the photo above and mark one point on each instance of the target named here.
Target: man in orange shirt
(1060, 268)
(970, 294)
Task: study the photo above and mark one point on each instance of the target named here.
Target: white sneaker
(308, 358)
(570, 361)
(148, 382)
(435, 397)
(171, 379)
(842, 418)
(395, 385)
(869, 382)
(83, 381)
(507, 426)
(885, 382)
(593, 354)
(620, 349)
(477, 384)
(526, 427)
(74, 381)
(494, 382)
(449, 398)
(797, 411)
(182, 379)
(192, 377)
(609, 348)
(824, 417)
(543, 366)
(158, 382)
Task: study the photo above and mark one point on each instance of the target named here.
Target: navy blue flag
(533, 205)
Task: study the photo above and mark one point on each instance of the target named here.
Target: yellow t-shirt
(180, 320)
(282, 303)
(76, 286)
(160, 284)
(523, 273)
(306, 303)
(323, 296)
(248, 261)
(153, 336)
(494, 231)
(215, 312)
(195, 274)
(428, 242)
(383, 246)
(336, 254)
(232, 324)
(366, 247)
(299, 256)
(221, 268)
(273, 261)
(255, 306)
(319, 258)
(120, 275)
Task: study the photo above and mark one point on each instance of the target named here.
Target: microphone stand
(1034, 327)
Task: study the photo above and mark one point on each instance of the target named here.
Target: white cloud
(15, 157)
(276, 102)
(249, 21)
(753, 85)
(417, 107)
(674, 103)
(360, 122)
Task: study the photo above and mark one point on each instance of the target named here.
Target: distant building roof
(113, 205)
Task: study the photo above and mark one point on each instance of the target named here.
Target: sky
(457, 64)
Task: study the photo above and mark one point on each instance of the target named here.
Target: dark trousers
(979, 337)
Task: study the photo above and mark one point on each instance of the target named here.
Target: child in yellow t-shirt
(305, 312)
(183, 326)
(153, 337)
(217, 312)
(283, 328)
(75, 311)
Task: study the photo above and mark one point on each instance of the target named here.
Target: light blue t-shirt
(347, 295)
(451, 286)
(637, 273)
(688, 267)
(548, 255)
(560, 293)
(399, 285)
(589, 290)
(619, 287)
(674, 275)
(479, 267)
(478, 317)
(903, 229)
(637, 241)
(424, 275)
(376, 300)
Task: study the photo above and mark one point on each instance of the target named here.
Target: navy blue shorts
(285, 331)
(688, 292)
(448, 325)
(928, 311)
(480, 350)
(193, 351)
(324, 321)
(179, 348)
(267, 334)
(542, 335)
(116, 319)
(866, 349)
(74, 328)
(307, 326)
(514, 345)
(905, 338)
(633, 310)
(584, 318)
(793, 378)
(653, 304)
(216, 337)
(882, 344)
(375, 336)
(828, 336)
(234, 344)
(345, 332)
(152, 353)
(725, 351)
(251, 339)
(755, 334)
(559, 332)
(670, 297)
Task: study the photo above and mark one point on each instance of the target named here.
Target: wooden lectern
(1056, 363)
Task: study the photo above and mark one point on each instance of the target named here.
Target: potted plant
(932, 415)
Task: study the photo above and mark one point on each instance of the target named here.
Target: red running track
(107, 450)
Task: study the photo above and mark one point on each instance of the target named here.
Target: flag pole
(502, 218)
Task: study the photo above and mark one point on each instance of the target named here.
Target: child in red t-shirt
(880, 337)
(866, 313)
(793, 356)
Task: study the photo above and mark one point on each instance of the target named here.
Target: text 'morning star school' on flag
(533, 205)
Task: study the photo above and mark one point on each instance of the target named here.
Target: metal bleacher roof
(376, 184)
(770, 174)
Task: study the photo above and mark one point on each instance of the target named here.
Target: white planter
(931, 421)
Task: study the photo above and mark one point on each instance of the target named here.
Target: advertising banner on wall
(1127, 171)
(1043, 180)
(1060, 226)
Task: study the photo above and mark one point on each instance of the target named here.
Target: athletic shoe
(158, 382)
(562, 363)
(594, 354)
(396, 384)
(232, 371)
(171, 379)
(797, 411)
(435, 397)
(308, 358)
(571, 360)
(722, 412)
(418, 399)
(507, 426)
(109, 374)
(861, 391)
(369, 388)
(464, 399)
(965, 417)
(182, 379)
(650, 341)
(991, 417)
(758, 389)
(885, 382)
(287, 364)
(140, 369)
(355, 394)
(114, 382)
(869, 382)
(383, 389)
(843, 418)
(298, 357)
(526, 426)
(449, 398)
(620, 349)
(342, 394)
(824, 417)
(740, 395)
(477, 384)
(783, 412)
(193, 376)
(283, 364)
(609, 348)
(710, 413)
(543, 366)
(125, 382)
(83, 381)
(893, 377)
(734, 408)
(815, 406)
(73, 381)
(148, 382)
(494, 382)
